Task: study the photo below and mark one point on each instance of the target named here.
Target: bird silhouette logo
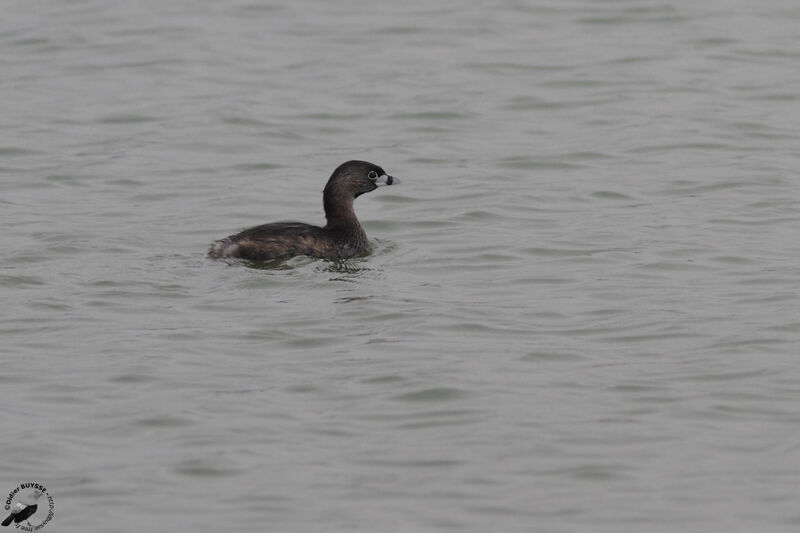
(23, 502)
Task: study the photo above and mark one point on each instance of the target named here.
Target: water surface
(581, 309)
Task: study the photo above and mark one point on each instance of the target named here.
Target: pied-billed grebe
(341, 238)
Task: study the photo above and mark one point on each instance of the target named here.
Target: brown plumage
(341, 238)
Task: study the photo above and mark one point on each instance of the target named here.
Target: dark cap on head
(356, 178)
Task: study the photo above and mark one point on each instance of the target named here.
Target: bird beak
(385, 179)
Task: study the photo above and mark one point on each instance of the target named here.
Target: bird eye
(372, 175)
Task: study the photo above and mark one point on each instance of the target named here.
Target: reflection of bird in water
(24, 508)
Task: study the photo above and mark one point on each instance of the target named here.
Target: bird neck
(339, 211)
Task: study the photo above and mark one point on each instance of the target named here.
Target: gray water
(580, 311)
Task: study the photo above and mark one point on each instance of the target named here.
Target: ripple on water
(612, 195)
(207, 468)
(10, 280)
(132, 378)
(534, 163)
(126, 119)
(431, 116)
(432, 395)
(12, 151)
(544, 356)
(164, 421)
